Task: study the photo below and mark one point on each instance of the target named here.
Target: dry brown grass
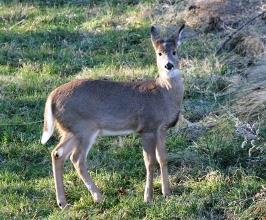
(210, 14)
(217, 15)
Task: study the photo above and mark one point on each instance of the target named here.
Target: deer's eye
(160, 54)
(174, 53)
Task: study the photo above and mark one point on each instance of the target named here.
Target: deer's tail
(49, 121)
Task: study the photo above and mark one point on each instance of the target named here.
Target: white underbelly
(105, 132)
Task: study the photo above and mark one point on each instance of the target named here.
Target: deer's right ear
(177, 37)
(155, 36)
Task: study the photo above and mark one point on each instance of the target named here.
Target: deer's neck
(169, 80)
(172, 89)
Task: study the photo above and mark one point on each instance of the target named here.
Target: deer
(83, 109)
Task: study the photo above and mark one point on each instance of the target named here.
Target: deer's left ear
(155, 36)
(177, 36)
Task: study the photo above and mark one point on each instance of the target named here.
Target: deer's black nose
(169, 66)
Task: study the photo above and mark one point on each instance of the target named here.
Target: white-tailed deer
(85, 109)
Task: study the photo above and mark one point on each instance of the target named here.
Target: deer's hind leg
(78, 158)
(59, 155)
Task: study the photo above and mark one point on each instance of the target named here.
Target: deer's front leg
(161, 156)
(149, 145)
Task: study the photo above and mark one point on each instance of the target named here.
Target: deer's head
(166, 54)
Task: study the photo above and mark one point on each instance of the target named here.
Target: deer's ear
(177, 36)
(155, 36)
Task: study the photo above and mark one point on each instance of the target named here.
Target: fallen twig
(221, 47)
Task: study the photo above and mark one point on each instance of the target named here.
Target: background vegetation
(213, 173)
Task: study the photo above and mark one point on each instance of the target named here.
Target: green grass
(45, 45)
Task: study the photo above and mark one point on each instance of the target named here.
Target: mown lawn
(46, 44)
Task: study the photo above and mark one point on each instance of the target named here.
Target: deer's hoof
(166, 194)
(98, 198)
(63, 204)
(147, 197)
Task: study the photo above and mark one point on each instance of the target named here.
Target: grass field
(46, 44)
